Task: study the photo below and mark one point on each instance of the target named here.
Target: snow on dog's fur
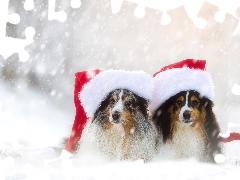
(188, 127)
(120, 128)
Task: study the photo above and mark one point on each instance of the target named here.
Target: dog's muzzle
(187, 117)
(116, 117)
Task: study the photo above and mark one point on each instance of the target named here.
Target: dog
(121, 129)
(188, 127)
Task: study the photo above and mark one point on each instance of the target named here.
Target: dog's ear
(100, 113)
(162, 119)
(143, 106)
(211, 125)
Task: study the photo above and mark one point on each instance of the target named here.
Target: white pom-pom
(219, 158)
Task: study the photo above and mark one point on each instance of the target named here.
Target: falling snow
(43, 43)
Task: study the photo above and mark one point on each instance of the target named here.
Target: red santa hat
(81, 78)
(232, 137)
(185, 75)
(95, 91)
(91, 88)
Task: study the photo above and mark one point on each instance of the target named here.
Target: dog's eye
(195, 102)
(179, 102)
(128, 103)
(112, 101)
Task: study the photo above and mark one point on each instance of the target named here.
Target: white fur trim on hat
(95, 91)
(170, 82)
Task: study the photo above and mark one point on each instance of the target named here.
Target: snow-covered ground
(32, 129)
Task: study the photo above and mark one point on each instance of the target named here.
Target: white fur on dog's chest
(109, 143)
(185, 143)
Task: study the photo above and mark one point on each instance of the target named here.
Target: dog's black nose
(186, 115)
(116, 115)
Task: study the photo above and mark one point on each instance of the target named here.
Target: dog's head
(121, 106)
(188, 107)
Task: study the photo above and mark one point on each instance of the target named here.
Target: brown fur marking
(128, 125)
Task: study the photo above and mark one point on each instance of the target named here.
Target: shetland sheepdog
(121, 129)
(188, 127)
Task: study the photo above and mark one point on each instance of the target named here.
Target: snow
(29, 148)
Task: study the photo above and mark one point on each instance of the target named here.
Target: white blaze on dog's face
(118, 106)
(189, 108)
(185, 111)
